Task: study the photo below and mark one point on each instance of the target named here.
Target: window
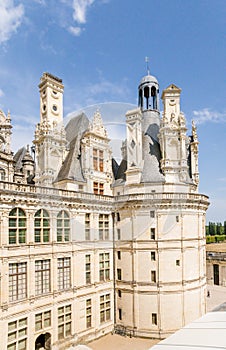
(154, 319)
(42, 226)
(119, 293)
(17, 335)
(119, 255)
(119, 233)
(17, 281)
(42, 320)
(104, 266)
(2, 174)
(64, 321)
(88, 313)
(88, 269)
(17, 226)
(63, 226)
(177, 262)
(103, 226)
(120, 314)
(98, 188)
(118, 216)
(152, 233)
(42, 277)
(64, 273)
(153, 256)
(105, 308)
(98, 160)
(177, 218)
(119, 274)
(152, 213)
(87, 226)
(153, 276)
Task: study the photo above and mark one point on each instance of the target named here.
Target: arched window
(63, 226)
(42, 226)
(154, 97)
(147, 95)
(140, 98)
(17, 226)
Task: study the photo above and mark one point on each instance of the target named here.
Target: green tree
(219, 228)
(224, 227)
(212, 228)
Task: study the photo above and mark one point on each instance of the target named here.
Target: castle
(88, 245)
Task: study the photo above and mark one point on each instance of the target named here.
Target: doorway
(43, 342)
(216, 274)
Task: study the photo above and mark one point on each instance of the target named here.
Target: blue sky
(98, 48)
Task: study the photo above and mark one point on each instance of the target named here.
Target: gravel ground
(118, 342)
(216, 298)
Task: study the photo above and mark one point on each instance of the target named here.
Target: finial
(147, 62)
(194, 131)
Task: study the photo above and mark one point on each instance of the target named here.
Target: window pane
(46, 235)
(37, 222)
(11, 347)
(60, 331)
(11, 336)
(22, 222)
(22, 344)
(60, 310)
(46, 222)
(22, 332)
(12, 222)
(68, 308)
(12, 325)
(68, 329)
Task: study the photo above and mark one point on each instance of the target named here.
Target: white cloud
(206, 115)
(24, 120)
(80, 8)
(41, 2)
(1, 93)
(76, 31)
(11, 18)
(116, 90)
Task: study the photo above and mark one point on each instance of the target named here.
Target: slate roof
(71, 168)
(115, 167)
(18, 157)
(152, 156)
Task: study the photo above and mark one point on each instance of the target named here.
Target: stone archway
(43, 342)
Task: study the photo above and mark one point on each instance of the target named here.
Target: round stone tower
(160, 243)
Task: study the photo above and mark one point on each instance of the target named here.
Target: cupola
(148, 93)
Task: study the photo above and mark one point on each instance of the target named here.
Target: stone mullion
(4, 280)
(54, 276)
(5, 228)
(53, 227)
(30, 226)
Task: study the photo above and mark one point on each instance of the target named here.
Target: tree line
(215, 232)
(216, 228)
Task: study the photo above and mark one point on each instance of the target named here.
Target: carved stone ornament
(97, 125)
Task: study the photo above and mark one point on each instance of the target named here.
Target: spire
(147, 65)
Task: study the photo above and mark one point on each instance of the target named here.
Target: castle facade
(88, 245)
